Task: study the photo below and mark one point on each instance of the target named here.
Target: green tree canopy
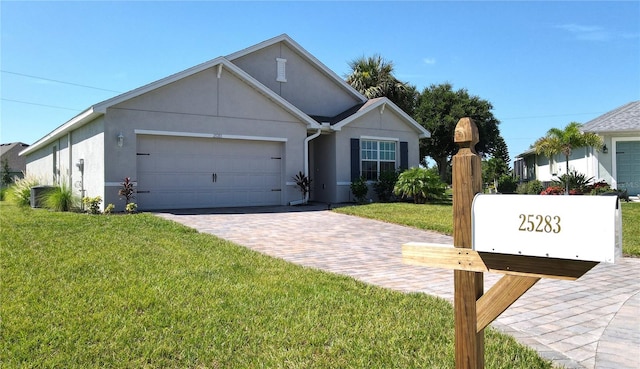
(439, 109)
(373, 77)
(564, 141)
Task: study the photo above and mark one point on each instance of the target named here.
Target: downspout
(306, 165)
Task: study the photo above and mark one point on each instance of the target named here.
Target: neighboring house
(10, 152)
(232, 131)
(618, 162)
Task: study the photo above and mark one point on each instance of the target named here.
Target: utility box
(587, 228)
(37, 195)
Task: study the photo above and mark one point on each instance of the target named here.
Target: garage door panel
(184, 172)
(628, 166)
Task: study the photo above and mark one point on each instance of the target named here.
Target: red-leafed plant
(127, 190)
(553, 190)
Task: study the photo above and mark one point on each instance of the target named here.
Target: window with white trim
(377, 157)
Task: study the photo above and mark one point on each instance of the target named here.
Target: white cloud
(587, 33)
(429, 61)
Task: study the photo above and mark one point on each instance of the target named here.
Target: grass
(434, 217)
(136, 291)
(438, 217)
(631, 229)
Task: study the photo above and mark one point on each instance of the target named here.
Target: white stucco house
(232, 131)
(618, 163)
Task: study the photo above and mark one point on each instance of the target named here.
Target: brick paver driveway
(593, 322)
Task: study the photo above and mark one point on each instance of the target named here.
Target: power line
(554, 116)
(45, 105)
(57, 81)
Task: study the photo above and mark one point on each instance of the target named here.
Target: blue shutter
(355, 159)
(404, 155)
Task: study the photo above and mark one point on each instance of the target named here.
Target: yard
(439, 218)
(132, 291)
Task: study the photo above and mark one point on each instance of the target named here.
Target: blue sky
(541, 64)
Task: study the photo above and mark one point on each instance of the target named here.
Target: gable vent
(282, 72)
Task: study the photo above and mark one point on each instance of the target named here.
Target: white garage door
(186, 172)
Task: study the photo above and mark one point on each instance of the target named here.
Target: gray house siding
(307, 87)
(202, 104)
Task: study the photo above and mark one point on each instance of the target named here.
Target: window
(377, 157)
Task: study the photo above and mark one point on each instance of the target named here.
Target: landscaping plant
(92, 204)
(507, 184)
(420, 184)
(304, 184)
(360, 190)
(385, 185)
(127, 190)
(60, 198)
(21, 190)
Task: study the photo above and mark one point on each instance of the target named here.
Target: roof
(6, 147)
(100, 108)
(623, 119)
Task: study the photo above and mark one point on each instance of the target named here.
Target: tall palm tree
(563, 141)
(373, 77)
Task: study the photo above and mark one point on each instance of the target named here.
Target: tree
(373, 77)
(439, 109)
(493, 169)
(500, 151)
(5, 177)
(563, 141)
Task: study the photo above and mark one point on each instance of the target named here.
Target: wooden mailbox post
(474, 310)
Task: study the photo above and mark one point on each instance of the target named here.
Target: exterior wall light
(605, 149)
(120, 139)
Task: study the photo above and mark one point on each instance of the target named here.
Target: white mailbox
(563, 227)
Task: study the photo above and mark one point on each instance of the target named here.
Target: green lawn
(439, 218)
(136, 291)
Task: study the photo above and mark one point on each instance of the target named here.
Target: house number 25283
(539, 223)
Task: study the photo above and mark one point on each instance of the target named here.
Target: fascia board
(305, 55)
(423, 132)
(102, 106)
(75, 122)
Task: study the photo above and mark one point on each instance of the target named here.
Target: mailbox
(585, 228)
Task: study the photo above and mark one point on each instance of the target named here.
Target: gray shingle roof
(623, 119)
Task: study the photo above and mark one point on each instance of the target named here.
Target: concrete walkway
(593, 322)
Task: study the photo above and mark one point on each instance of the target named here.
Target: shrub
(127, 190)
(577, 182)
(385, 184)
(92, 204)
(60, 198)
(530, 188)
(21, 190)
(304, 184)
(598, 188)
(131, 207)
(419, 184)
(359, 189)
(109, 209)
(507, 184)
(3, 193)
(553, 190)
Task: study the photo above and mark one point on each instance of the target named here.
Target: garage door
(186, 172)
(628, 166)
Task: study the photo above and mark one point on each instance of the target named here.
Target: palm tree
(563, 141)
(373, 77)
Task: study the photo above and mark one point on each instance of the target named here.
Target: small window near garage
(281, 70)
(377, 157)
